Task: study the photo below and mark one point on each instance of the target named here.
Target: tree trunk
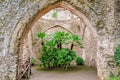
(42, 43)
(60, 45)
(72, 45)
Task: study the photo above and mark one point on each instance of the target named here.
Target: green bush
(114, 78)
(117, 59)
(117, 55)
(32, 61)
(53, 55)
(79, 61)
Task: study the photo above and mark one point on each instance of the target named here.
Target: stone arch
(60, 27)
(22, 29)
(65, 6)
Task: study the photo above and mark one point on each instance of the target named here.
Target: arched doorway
(21, 32)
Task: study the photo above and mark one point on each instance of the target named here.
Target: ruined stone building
(97, 22)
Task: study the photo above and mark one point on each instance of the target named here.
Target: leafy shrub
(53, 55)
(114, 78)
(117, 55)
(117, 59)
(56, 57)
(32, 61)
(79, 61)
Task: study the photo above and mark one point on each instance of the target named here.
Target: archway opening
(75, 23)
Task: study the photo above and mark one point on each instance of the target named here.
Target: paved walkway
(81, 74)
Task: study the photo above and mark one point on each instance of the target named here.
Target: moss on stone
(2, 0)
(81, 1)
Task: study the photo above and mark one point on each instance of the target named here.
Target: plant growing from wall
(117, 59)
(53, 55)
(54, 14)
(117, 55)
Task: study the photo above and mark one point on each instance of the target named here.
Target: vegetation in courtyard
(53, 58)
(75, 40)
(32, 61)
(54, 54)
(41, 37)
(79, 61)
(114, 78)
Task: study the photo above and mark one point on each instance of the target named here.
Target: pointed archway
(21, 31)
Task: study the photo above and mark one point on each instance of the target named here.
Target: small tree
(75, 40)
(41, 36)
(60, 38)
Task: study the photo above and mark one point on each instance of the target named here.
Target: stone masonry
(16, 15)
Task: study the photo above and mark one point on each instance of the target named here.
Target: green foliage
(56, 57)
(92, 1)
(41, 35)
(2, 0)
(79, 61)
(54, 14)
(53, 55)
(114, 78)
(32, 60)
(75, 40)
(61, 38)
(117, 55)
(81, 1)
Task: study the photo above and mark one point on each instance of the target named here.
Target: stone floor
(82, 74)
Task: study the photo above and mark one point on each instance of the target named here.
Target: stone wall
(117, 21)
(15, 15)
(8, 67)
